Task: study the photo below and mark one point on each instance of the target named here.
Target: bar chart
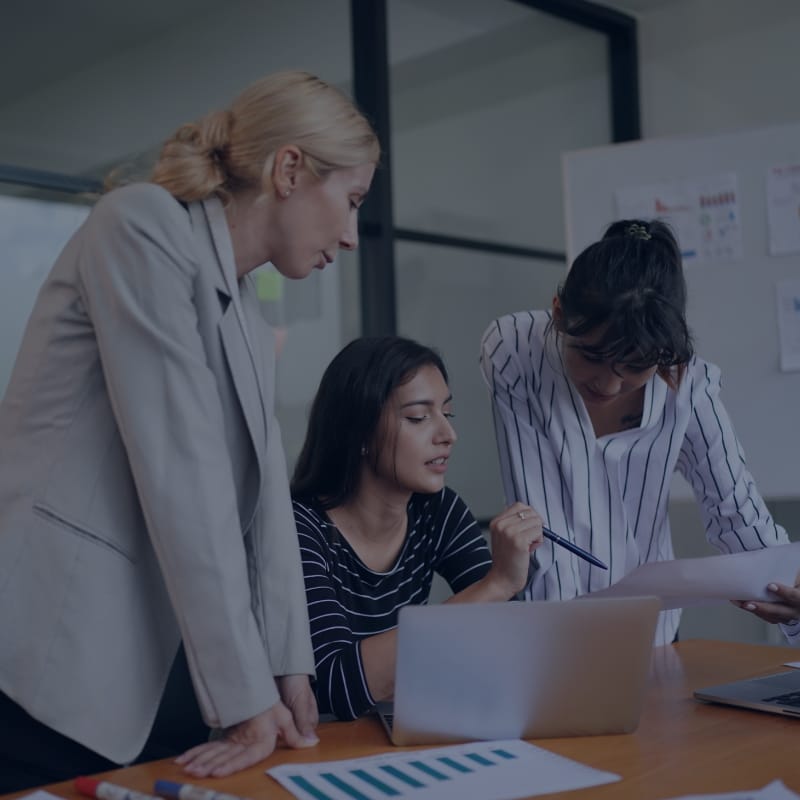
(504, 769)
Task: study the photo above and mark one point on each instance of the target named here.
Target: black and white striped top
(610, 495)
(348, 602)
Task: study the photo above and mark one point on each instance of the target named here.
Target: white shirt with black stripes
(610, 494)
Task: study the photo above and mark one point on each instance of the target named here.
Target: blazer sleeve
(138, 271)
(278, 590)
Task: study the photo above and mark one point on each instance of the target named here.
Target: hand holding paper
(692, 581)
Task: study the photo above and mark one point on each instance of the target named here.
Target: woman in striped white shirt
(375, 518)
(598, 401)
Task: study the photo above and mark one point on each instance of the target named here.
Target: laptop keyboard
(788, 699)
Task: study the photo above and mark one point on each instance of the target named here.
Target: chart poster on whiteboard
(783, 209)
(703, 212)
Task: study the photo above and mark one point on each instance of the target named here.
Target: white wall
(710, 66)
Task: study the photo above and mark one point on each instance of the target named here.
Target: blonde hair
(234, 149)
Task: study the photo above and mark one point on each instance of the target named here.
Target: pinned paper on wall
(703, 212)
(788, 299)
(783, 209)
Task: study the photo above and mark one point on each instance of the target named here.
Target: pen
(185, 791)
(103, 790)
(573, 548)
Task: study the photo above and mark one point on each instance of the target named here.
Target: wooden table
(681, 746)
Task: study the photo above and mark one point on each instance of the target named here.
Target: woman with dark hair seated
(598, 402)
(376, 520)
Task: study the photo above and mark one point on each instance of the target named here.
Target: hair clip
(638, 231)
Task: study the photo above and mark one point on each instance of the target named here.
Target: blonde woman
(150, 580)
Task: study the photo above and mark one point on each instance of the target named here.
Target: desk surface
(681, 746)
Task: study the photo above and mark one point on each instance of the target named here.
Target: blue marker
(186, 791)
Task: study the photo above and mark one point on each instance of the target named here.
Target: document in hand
(692, 581)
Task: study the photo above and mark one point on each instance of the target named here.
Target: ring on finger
(521, 514)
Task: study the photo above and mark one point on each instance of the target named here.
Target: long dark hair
(346, 412)
(631, 283)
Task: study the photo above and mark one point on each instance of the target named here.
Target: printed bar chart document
(498, 770)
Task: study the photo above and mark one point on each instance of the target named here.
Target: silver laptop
(778, 693)
(520, 670)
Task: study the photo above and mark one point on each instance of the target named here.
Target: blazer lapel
(235, 334)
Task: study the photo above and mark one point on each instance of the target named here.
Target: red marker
(103, 790)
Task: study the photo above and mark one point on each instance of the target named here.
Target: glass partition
(447, 297)
(479, 123)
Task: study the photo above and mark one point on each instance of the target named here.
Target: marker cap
(86, 785)
(167, 788)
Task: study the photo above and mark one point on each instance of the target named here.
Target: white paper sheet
(500, 770)
(772, 791)
(788, 300)
(692, 581)
(783, 209)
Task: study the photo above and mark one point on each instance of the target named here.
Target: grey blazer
(143, 488)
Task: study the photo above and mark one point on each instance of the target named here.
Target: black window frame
(371, 91)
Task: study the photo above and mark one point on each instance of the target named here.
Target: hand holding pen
(566, 543)
(525, 526)
(515, 533)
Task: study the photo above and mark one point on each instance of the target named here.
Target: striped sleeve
(528, 467)
(341, 685)
(462, 553)
(712, 461)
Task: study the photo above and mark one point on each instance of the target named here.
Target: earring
(363, 451)
(286, 193)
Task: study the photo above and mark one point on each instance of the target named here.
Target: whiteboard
(32, 234)
(732, 307)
